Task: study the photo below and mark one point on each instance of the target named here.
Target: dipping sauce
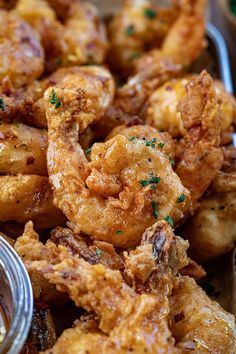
(3, 324)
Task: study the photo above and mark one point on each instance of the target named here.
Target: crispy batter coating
(28, 197)
(187, 32)
(135, 28)
(201, 156)
(161, 112)
(92, 252)
(23, 150)
(211, 230)
(137, 321)
(163, 140)
(80, 39)
(110, 187)
(21, 52)
(199, 324)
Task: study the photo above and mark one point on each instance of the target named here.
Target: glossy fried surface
(21, 51)
(28, 197)
(110, 185)
(23, 150)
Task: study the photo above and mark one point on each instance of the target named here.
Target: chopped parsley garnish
(181, 198)
(58, 61)
(87, 151)
(153, 179)
(119, 232)
(55, 100)
(169, 220)
(2, 104)
(155, 209)
(134, 55)
(98, 252)
(153, 187)
(172, 162)
(150, 13)
(132, 138)
(151, 142)
(161, 145)
(129, 30)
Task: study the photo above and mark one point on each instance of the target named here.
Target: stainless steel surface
(15, 297)
(222, 56)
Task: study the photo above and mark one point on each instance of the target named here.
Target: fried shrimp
(128, 183)
(18, 46)
(211, 231)
(201, 157)
(187, 32)
(199, 324)
(136, 320)
(160, 110)
(137, 27)
(23, 150)
(78, 40)
(28, 197)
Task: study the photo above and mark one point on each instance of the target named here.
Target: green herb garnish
(161, 145)
(132, 138)
(2, 104)
(153, 179)
(87, 151)
(150, 13)
(151, 142)
(181, 198)
(98, 252)
(155, 209)
(169, 220)
(55, 100)
(172, 162)
(129, 30)
(119, 232)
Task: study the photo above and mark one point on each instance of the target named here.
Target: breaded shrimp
(128, 183)
(22, 56)
(23, 150)
(130, 320)
(80, 39)
(211, 231)
(160, 110)
(28, 197)
(135, 28)
(184, 41)
(201, 157)
(199, 324)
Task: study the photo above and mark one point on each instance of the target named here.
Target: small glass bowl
(16, 299)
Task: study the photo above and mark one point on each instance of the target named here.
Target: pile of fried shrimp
(117, 174)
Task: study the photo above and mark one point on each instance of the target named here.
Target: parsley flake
(151, 142)
(161, 145)
(181, 198)
(172, 162)
(150, 13)
(119, 232)
(153, 187)
(155, 212)
(55, 100)
(129, 30)
(153, 179)
(98, 252)
(169, 220)
(132, 138)
(2, 104)
(87, 151)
